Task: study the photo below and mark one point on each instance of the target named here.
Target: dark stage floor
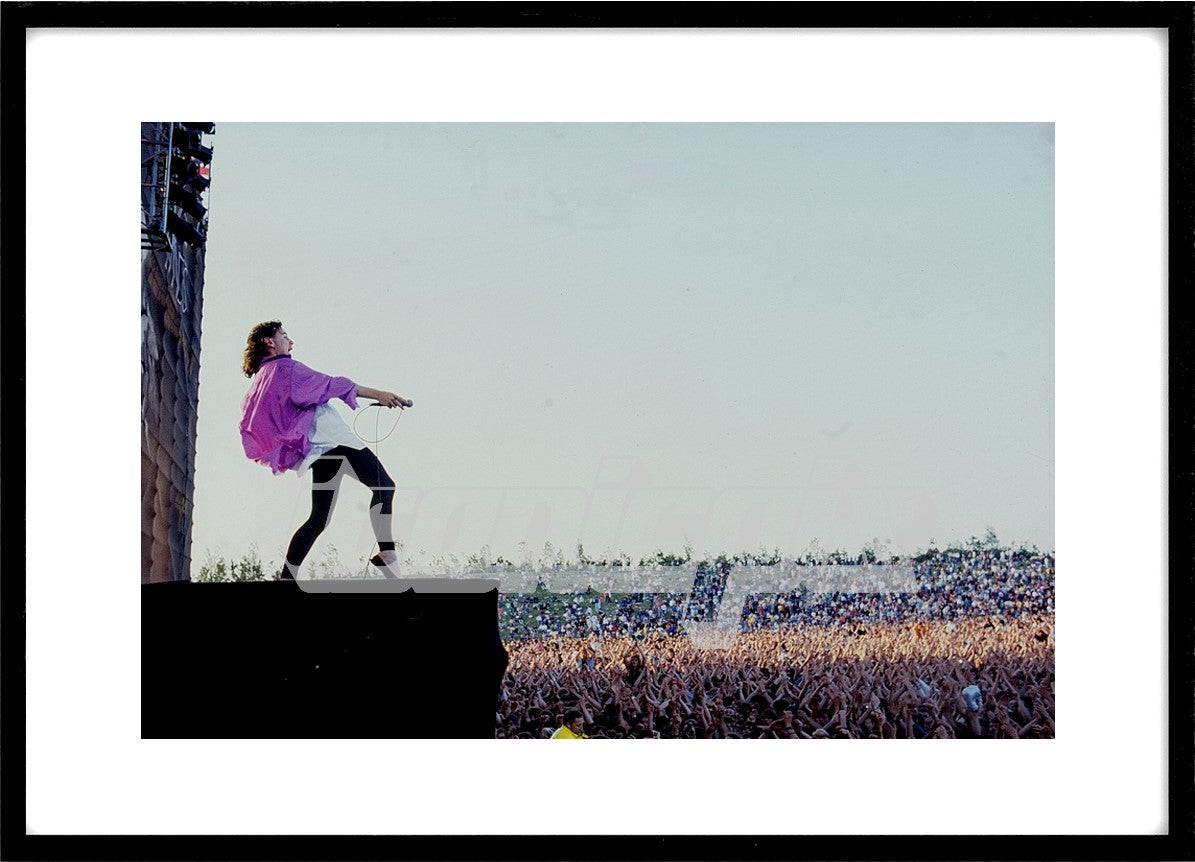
(272, 660)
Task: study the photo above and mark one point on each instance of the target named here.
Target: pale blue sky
(644, 335)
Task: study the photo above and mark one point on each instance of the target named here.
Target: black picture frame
(1178, 19)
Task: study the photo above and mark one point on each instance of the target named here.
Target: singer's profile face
(281, 342)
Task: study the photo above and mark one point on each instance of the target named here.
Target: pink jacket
(279, 409)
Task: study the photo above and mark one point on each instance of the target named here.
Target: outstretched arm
(386, 399)
(583, 706)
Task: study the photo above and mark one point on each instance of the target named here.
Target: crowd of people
(968, 653)
(949, 585)
(977, 677)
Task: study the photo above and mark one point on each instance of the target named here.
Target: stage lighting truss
(175, 168)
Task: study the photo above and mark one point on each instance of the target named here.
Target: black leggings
(326, 474)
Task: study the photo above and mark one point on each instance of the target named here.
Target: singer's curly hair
(255, 346)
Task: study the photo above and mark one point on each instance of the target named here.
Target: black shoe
(393, 571)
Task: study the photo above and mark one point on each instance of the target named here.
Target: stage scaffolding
(171, 310)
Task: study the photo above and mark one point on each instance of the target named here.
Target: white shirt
(327, 432)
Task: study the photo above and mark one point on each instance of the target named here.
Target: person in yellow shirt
(572, 728)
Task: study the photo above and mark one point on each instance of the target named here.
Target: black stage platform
(271, 660)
